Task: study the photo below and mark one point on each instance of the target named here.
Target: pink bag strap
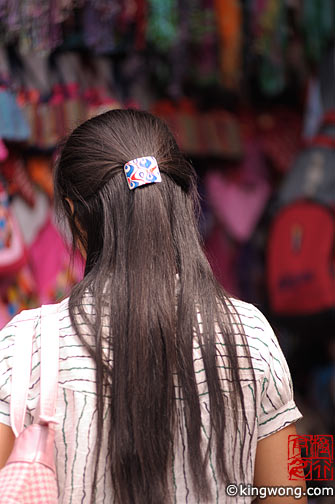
(49, 362)
(21, 375)
(48, 369)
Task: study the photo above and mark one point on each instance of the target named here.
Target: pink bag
(29, 476)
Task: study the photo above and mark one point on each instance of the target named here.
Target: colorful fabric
(162, 23)
(40, 171)
(270, 42)
(280, 144)
(214, 133)
(18, 293)
(222, 253)
(3, 150)
(12, 248)
(270, 401)
(50, 265)
(229, 19)
(17, 179)
(141, 171)
(13, 125)
(238, 200)
(35, 23)
(318, 21)
(100, 24)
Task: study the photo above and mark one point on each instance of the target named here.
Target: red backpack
(301, 245)
(301, 259)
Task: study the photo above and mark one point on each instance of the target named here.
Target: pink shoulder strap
(21, 374)
(21, 370)
(49, 362)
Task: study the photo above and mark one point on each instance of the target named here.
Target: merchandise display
(247, 88)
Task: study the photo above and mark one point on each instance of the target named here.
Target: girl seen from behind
(169, 389)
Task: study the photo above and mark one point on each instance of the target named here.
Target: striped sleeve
(277, 405)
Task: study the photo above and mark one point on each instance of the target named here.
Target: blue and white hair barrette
(142, 170)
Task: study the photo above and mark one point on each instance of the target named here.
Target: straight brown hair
(146, 270)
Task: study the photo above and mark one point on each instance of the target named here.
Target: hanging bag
(301, 245)
(29, 476)
(301, 259)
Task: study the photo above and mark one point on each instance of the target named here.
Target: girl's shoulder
(255, 326)
(76, 370)
(273, 389)
(252, 330)
(28, 319)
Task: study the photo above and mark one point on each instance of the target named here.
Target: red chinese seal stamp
(311, 457)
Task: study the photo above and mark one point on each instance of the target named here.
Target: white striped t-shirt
(269, 403)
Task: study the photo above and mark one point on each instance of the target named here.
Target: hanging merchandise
(3, 151)
(31, 219)
(32, 76)
(280, 143)
(39, 169)
(199, 31)
(314, 109)
(270, 31)
(12, 249)
(301, 261)
(17, 179)
(100, 19)
(51, 266)
(301, 246)
(187, 34)
(56, 99)
(140, 20)
(68, 106)
(239, 197)
(229, 20)
(65, 109)
(98, 87)
(201, 134)
(250, 269)
(162, 23)
(222, 253)
(13, 125)
(327, 78)
(17, 293)
(35, 24)
(318, 22)
(312, 174)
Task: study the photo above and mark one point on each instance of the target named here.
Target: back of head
(146, 269)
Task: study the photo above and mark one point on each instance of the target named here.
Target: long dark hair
(146, 270)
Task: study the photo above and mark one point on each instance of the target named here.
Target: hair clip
(142, 170)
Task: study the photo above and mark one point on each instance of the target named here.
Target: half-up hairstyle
(146, 269)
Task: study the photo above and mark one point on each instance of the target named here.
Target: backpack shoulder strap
(49, 362)
(21, 371)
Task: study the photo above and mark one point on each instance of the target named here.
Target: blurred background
(248, 88)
